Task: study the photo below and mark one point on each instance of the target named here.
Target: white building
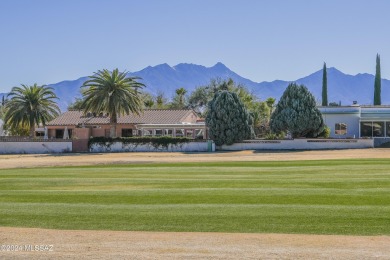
(358, 122)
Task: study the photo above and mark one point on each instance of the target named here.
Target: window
(340, 129)
(198, 133)
(168, 132)
(387, 129)
(59, 133)
(189, 133)
(39, 134)
(378, 129)
(159, 132)
(179, 132)
(127, 132)
(366, 129)
(374, 129)
(147, 132)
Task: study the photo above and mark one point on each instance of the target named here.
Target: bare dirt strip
(81, 244)
(44, 160)
(65, 244)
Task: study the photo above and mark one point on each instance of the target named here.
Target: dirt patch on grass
(44, 160)
(68, 244)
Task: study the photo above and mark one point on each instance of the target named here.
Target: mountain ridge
(164, 78)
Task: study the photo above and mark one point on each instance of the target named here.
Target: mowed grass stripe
(205, 196)
(323, 197)
(206, 218)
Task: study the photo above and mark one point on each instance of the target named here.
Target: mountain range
(342, 88)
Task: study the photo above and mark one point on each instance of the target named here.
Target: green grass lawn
(313, 197)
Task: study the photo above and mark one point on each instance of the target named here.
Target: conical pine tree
(296, 112)
(228, 120)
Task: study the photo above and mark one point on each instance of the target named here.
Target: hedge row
(163, 141)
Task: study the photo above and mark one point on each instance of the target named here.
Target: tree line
(198, 100)
(224, 103)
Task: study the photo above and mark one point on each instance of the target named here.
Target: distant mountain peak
(220, 65)
(332, 69)
(163, 65)
(166, 79)
(187, 65)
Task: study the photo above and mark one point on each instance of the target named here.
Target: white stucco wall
(352, 121)
(35, 147)
(300, 144)
(348, 115)
(119, 147)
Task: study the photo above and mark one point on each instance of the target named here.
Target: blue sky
(47, 41)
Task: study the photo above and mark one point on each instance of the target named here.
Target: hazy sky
(47, 41)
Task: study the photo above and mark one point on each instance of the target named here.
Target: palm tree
(270, 103)
(149, 103)
(113, 93)
(180, 92)
(160, 100)
(29, 106)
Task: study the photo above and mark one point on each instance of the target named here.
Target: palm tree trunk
(181, 101)
(112, 130)
(32, 131)
(113, 122)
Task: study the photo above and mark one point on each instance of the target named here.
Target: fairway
(308, 197)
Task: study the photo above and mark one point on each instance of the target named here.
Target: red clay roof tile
(148, 116)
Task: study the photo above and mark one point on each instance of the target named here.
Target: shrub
(325, 133)
(274, 136)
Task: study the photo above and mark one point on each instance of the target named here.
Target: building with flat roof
(357, 121)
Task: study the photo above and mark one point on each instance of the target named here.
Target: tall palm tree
(29, 106)
(180, 92)
(270, 103)
(114, 93)
(149, 103)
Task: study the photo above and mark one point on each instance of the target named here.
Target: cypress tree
(377, 86)
(324, 86)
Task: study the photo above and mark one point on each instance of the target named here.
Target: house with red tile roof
(151, 122)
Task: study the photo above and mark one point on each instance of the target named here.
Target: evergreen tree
(160, 100)
(199, 98)
(324, 86)
(296, 112)
(377, 86)
(227, 119)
